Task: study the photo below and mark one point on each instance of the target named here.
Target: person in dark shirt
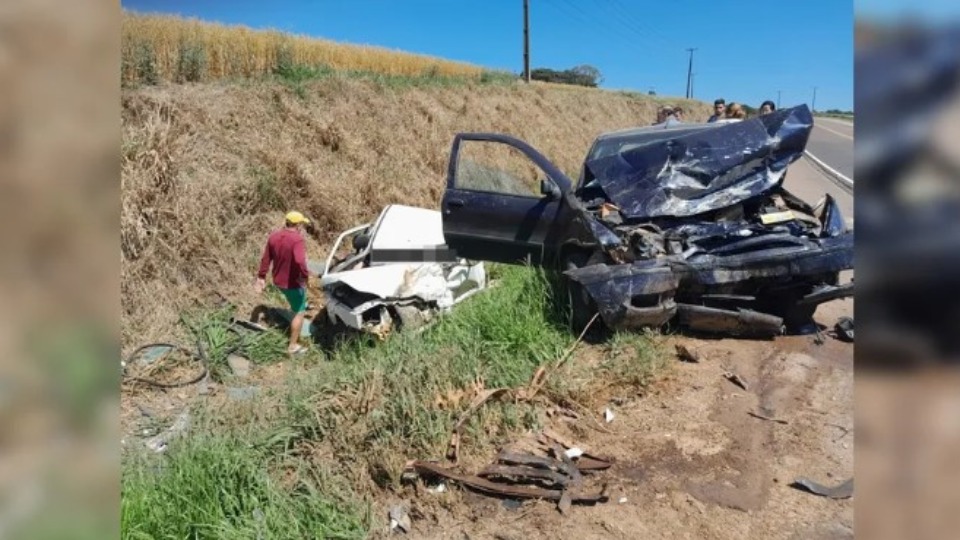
(719, 110)
(286, 251)
(767, 107)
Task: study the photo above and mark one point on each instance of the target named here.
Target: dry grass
(167, 48)
(208, 170)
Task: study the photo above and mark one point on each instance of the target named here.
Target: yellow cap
(296, 217)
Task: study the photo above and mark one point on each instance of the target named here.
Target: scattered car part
(735, 379)
(768, 418)
(842, 491)
(400, 519)
(140, 365)
(180, 425)
(686, 355)
(844, 329)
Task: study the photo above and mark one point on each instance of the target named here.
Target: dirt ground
(690, 462)
(689, 459)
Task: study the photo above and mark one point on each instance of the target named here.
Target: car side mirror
(549, 189)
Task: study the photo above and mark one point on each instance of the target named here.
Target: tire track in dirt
(691, 462)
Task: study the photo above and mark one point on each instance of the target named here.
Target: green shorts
(297, 299)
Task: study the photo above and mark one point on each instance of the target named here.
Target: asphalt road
(831, 141)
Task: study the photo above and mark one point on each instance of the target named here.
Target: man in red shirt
(287, 251)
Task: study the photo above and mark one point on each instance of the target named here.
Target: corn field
(161, 48)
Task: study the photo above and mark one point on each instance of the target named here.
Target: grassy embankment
(338, 132)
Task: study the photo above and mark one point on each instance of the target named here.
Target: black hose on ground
(200, 356)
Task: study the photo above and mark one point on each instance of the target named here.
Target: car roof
(407, 227)
(642, 130)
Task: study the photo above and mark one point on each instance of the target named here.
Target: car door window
(497, 168)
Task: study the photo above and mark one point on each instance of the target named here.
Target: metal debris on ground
(161, 442)
(608, 415)
(686, 355)
(148, 361)
(557, 475)
(844, 329)
(768, 418)
(843, 491)
(399, 519)
(736, 379)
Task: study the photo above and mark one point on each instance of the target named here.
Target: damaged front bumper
(375, 300)
(738, 294)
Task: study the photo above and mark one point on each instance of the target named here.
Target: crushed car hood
(697, 169)
(444, 285)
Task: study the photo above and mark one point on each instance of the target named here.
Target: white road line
(838, 121)
(830, 170)
(834, 132)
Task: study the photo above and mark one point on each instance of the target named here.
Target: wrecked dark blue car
(687, 224)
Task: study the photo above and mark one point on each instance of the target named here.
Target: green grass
(211, 331)
(362, 410)
(219, 487)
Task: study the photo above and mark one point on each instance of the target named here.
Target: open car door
(504, 201)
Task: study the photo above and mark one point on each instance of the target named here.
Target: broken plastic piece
(735, 379)
(777, 217)
(686, 355)
(844, 329)
(399, 519)
(607, 415)
(843, 491)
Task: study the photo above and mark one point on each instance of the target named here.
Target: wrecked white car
(397, 273)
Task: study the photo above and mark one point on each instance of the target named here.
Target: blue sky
(747, 50)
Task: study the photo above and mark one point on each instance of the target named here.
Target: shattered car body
(687, 223)
(397, 274)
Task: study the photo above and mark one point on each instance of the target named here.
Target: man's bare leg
(295, 325)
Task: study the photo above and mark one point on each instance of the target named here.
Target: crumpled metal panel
(707, 169)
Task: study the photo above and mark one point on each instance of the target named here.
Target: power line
(626, 16)
(589, 18)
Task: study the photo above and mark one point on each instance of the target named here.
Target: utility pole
(813, 106)
(690, 74)
(526, 40)
(778, 99)
(693, 77)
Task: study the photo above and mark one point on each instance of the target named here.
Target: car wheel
(582, 307)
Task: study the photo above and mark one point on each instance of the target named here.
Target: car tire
(582, 307)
